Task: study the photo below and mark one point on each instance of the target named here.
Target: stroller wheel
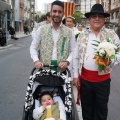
(30, 117)
(24, 115)
(27, 115)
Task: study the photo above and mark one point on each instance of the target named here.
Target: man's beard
(56, 21)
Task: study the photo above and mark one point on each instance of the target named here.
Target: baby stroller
(52, 81)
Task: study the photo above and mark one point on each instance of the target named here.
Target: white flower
(107, 47)
(76, 32)
(102, 52)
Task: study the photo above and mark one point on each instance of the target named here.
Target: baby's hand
(44, 107)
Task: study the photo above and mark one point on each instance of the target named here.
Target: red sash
(93, 76)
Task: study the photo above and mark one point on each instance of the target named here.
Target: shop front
(5, 11)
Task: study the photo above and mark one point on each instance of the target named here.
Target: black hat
(97, 8)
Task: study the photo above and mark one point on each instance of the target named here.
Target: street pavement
(22, 35)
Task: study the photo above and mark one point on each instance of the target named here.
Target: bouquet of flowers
(76, 33)
(105, 52)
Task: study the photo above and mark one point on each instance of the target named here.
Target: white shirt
(88, 62)
(36, 40)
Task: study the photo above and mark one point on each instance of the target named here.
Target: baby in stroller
(49, 109)
(56, 83)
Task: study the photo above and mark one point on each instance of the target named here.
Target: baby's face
(46, 99)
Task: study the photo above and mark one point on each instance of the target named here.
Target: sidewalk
(18, 35)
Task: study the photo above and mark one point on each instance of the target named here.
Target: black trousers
(94, 99)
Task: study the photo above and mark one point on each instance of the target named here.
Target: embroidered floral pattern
(82, 44)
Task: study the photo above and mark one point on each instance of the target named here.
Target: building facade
(27, 13)
(5, 11)
(32, 12)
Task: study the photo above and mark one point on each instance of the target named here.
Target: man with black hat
(94, 80)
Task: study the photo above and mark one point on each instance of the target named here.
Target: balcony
(21, 17)
(32, 11)
(117, 4)
(32, 6)
(21, 5)
(32, 3)
(25, 8)
(28, 9)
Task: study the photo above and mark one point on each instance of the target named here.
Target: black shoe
(16, 38)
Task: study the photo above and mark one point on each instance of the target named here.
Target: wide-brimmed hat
(97, 9)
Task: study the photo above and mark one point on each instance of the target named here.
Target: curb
(19, 37)
(10, 45)
(5, 47)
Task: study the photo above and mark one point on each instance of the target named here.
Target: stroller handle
(33, 70)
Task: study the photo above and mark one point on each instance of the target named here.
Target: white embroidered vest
(47, 43)
(82, 45)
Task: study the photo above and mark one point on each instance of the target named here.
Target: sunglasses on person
(100, 16)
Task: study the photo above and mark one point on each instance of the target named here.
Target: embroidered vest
(55, 112)
(47, 43)
(82, 45)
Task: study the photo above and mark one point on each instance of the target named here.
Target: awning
(4, 6)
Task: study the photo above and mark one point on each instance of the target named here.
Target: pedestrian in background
(79, 27)
(47, 21)
(94, 70)
(1, 37)
(26, 30)
(56, 41)
(69, 22)
(37, 25)
(12, 33)
(4, 36)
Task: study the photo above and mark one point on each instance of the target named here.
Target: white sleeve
(72, 47)
(37, 113)
(62, 111)
(35, 44)
(117, 56)
(75, 62)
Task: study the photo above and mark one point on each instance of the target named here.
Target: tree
(37, 18)
(78, 16)
(42, 18)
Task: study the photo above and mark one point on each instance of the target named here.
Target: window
(117, 14)
(112, 15)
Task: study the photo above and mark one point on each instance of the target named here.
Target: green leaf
(63, 45)
(95, 45)
(77, 35)
(101, 67)
(107, 39)
(97, 41)
(112, 57)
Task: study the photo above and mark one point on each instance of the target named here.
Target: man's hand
(63, 65)
(38, 64)
(76, 82)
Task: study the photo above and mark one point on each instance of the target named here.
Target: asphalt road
(15, 67)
